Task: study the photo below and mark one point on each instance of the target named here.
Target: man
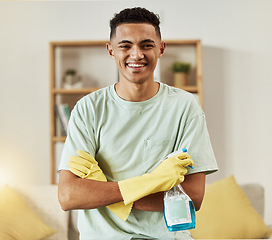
(129, 128)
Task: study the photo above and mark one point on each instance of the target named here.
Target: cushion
(227, 213)
(43, 200)
(17, 220)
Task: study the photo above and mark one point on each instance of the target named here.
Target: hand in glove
(167, 175)
(85, 166)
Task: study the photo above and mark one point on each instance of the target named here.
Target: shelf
(182, 42)
(59, 139)
(191, 89)
(78, 43)
(74, 91)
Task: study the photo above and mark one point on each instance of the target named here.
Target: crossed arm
(78, 193)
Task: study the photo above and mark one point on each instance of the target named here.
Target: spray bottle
(179, 210)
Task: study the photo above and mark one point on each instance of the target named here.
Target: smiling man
(124, 131)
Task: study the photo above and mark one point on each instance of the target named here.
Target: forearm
(194, 186)
(153, 202)
(77, 193)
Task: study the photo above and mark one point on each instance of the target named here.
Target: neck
(135, 92)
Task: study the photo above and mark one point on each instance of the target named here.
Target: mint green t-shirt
(129, 139)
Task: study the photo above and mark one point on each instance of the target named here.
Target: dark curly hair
(135, 15)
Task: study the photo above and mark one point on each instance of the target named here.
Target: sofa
(43, 201)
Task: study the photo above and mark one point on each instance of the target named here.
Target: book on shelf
(63, 114)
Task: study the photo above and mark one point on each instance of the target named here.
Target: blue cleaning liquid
(179, 210)
(185, 225)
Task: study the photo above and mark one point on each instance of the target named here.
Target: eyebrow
(144, 41)
(125, 41)
(148, 40)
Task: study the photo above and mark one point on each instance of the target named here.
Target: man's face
(136, 48)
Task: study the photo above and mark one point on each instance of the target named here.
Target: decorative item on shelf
(181, 71)
(63, 113)
(71, 80)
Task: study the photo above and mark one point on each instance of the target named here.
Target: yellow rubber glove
(85, 166)
(167, 175)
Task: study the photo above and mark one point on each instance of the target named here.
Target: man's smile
(136, 65)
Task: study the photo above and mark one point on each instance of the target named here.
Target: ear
(162, 48)
(110, 50)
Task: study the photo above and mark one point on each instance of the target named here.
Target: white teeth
(135, 65)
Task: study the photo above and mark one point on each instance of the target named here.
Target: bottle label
(177, 211)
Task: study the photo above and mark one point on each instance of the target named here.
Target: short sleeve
(197, 140)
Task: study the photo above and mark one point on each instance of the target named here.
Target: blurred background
(236, 41)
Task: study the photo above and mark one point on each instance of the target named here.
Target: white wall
(237, 55)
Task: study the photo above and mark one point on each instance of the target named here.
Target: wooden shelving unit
(182, 50)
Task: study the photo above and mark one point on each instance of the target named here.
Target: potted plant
(181, 71)
(70, 79)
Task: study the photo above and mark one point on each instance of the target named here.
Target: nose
(136, 53)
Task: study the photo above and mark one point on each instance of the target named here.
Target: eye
(124, 46)
(148, 46)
